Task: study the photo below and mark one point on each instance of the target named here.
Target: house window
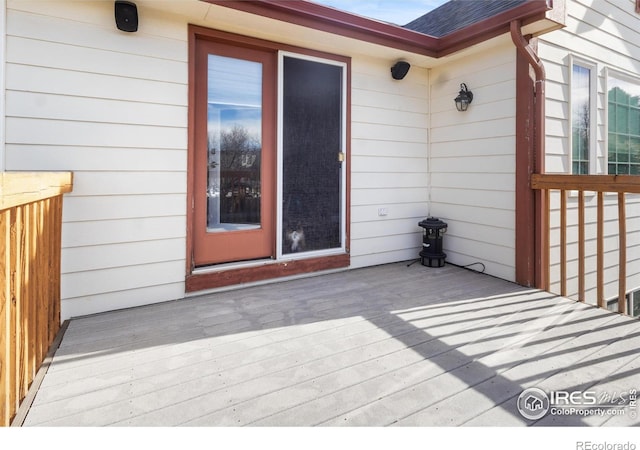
(633, 303)
(582, 85)
(624, 125)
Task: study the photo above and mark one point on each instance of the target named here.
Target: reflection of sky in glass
(234, 81)
(234, 94)
(226, 116)
(630, 88)
(633, 89)
(580, 94)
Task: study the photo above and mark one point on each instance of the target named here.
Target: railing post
(5, 336)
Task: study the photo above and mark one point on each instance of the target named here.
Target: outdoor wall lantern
(432, 235)
(399, 70)
(464, 98)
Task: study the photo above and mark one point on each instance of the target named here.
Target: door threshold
(232, 265)
(248, 272)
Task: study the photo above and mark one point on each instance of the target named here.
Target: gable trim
(341, 23)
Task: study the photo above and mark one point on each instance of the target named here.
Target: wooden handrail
(21, 188)
(590, 183)
(30, 249)
(620, 184)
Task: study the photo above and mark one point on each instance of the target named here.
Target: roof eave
(324, 18)
(529, 12)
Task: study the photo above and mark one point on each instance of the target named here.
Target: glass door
(312, 173)
(234, 144)
(235, 150)
(269, 169)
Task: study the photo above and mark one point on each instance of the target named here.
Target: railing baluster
(547, 243)
(600, 251)
(622, 263)
(581, 239)
(563, 243)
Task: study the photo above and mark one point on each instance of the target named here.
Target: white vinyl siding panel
(388, 162)
(3, 36)
(606, 33)
(472, 163)
(112, 108)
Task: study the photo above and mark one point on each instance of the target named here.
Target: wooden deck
(388, 345)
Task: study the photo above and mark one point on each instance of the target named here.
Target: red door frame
(229, 246)
(196, 280)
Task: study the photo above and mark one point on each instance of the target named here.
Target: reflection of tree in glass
(240, 175)
(213, 144)
(239, 147)
(581, 146)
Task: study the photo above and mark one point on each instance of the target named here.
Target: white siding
(472, 160)
(3, 10)
(112, 107)
(388, 162)
(607, 33)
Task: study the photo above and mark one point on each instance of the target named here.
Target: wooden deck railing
(600, 184)
(30, 235)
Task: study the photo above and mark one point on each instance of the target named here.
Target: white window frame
(592, 66)
(343, 176)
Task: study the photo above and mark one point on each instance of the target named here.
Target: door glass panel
(311, 146)
(234, 124)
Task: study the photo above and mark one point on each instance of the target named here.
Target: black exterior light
(126, 16)
(464, 98)
(399, 70)
(432, 234)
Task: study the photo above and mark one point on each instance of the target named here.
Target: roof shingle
(457, 14)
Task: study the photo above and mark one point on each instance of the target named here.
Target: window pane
(634, 121)
(635, 304)
(234, 134)
(624, 125)
(612, 148)
(622, 148)
(622, 120)
(612, 116)
(312, 173)
(581, 118)
(634, 149)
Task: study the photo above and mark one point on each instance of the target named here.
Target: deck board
(388, 345)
